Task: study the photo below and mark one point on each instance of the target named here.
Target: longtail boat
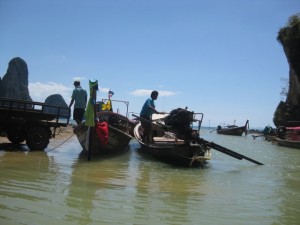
(175, 139)
(168, 145)
(111, 134)
(291, 138)
(233, 129)
(104, 132)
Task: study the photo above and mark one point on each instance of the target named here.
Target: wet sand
(63, 132)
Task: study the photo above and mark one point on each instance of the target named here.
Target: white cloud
(145, 92)
(40, 91)
(167, 93)
(141, 92)
(104, 90)
(79, 78)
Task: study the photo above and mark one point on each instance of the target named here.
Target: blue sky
(220, 58)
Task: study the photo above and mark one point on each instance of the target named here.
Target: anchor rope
(61, 143)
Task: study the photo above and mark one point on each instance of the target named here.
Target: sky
(220, 58)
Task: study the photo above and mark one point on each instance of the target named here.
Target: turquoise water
(59, 187)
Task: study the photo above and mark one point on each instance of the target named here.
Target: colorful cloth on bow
(102, 132)
(90, 109)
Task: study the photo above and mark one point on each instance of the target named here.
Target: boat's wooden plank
(167, 140)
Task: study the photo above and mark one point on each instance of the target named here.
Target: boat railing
(126, 103)
(195, 121)
(197, 118)
(113, 100)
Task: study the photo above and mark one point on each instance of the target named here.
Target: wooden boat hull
(233, 130)
(172, 151)
(288, 143)
(119, 134)
(238, 131)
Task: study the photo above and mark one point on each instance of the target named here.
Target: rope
(61, 143)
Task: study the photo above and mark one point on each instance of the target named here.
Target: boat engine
(180, 120)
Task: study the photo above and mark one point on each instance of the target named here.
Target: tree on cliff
(288, 112)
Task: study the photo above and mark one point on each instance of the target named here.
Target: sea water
(57, 186)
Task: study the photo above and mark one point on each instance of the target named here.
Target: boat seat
(167, 140)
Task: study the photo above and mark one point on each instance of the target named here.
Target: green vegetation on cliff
(288, 112)
(289, 37)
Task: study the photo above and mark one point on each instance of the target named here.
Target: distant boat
(291, 138)
(233, 129)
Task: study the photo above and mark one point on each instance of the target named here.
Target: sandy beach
(64, 132)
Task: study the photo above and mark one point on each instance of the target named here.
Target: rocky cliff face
(288, 112)
(14, 83)
(56, 100)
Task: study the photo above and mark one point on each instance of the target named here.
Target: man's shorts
(78, 114)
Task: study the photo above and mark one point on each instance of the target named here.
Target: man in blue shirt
(79, 96)
(146, 113)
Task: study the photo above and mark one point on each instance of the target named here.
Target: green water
(58, 187)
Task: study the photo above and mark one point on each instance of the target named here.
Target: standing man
(79, 96)
(146, 113)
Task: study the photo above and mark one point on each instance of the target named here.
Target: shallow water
(58, 187)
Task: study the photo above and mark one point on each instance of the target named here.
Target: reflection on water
(59, 187)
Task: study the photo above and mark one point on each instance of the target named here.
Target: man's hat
(76, 82)
(110, 92)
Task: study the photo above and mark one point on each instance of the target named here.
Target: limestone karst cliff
(56, 100)
(14, 83)
(288, 112)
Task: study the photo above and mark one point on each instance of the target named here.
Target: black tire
(38, 138)
(15, 136)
